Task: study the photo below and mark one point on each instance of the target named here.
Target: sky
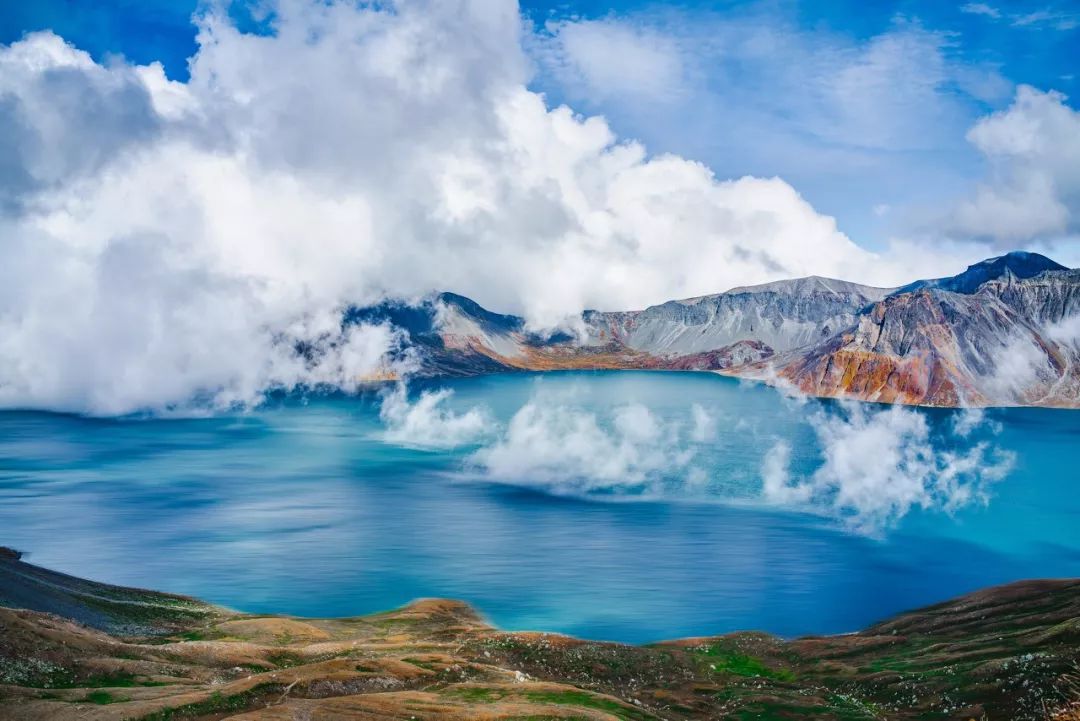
(734, 84)
(180, 178)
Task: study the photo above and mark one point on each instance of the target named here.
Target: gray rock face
(783, 315)
(1048, 298)
(1004, 332)
(1011, 342)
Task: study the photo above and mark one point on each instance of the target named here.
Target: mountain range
(1004, 332)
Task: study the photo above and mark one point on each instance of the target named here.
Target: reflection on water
(305, 508)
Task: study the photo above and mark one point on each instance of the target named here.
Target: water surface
(304, 507)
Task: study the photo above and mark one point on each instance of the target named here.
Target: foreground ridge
(117, 653)
(1004, 332)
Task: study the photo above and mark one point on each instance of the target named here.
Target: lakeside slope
(71, 648)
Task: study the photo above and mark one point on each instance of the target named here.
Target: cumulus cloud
(165, 241)
(1033, 190)
(879, 465)
(428, 422)
(857, 123)
(568, 449)
(557, 443)
(875, 465)
(615, 59)
(63, 117)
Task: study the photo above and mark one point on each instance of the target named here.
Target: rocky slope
(1004, 332)
(782, 315)
(1003, 653)
(1013, 341)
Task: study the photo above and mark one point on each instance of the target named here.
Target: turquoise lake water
(618, 505)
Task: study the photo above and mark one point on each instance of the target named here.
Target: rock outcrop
(1012, 341)
(782, 315)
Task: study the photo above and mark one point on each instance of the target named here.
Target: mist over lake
(479, 489)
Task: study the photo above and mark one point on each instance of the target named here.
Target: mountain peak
(1018, 263)
(1022, 263)
(808, 285)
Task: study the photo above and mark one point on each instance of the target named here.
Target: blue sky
(147, 30)
(881, 169)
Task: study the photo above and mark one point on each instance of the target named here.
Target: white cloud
(1033, 190)
(165, 241)
(895, 90)
(567, 449)
(1042, 18)
(981, 9)
(777, 486)
(615, 59)
(428, 422)
(704, 427)
(1047, 18)
(1027, 370)
(557, 442)
(1066, 331)
(879, 465)
(751, 90)
(968, 420)
(876, 465)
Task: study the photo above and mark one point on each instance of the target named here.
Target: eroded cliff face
(782, 315)
(1012, 342)
(1004, 332)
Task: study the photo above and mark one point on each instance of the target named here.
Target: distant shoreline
(1000, 653)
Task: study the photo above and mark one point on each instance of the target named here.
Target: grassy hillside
(71, 648)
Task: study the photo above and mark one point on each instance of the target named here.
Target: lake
(630, 506)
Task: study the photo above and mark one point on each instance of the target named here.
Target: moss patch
(724, 660)
(103, 698)
(585, 699)
(217, 703)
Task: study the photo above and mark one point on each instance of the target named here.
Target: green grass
(477, 694)
(587, 700)
(752, 708)
(581, 699)
(542, 717)
(152, 613)
(120, 679)
(64, 679)
(217, 703)
(426, 665)
(285, 659)
(722, 660)
(193, 636)
(103, 698)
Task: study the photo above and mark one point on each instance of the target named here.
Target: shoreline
(72, 648)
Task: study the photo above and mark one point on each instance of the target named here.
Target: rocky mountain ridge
(1006, 331)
